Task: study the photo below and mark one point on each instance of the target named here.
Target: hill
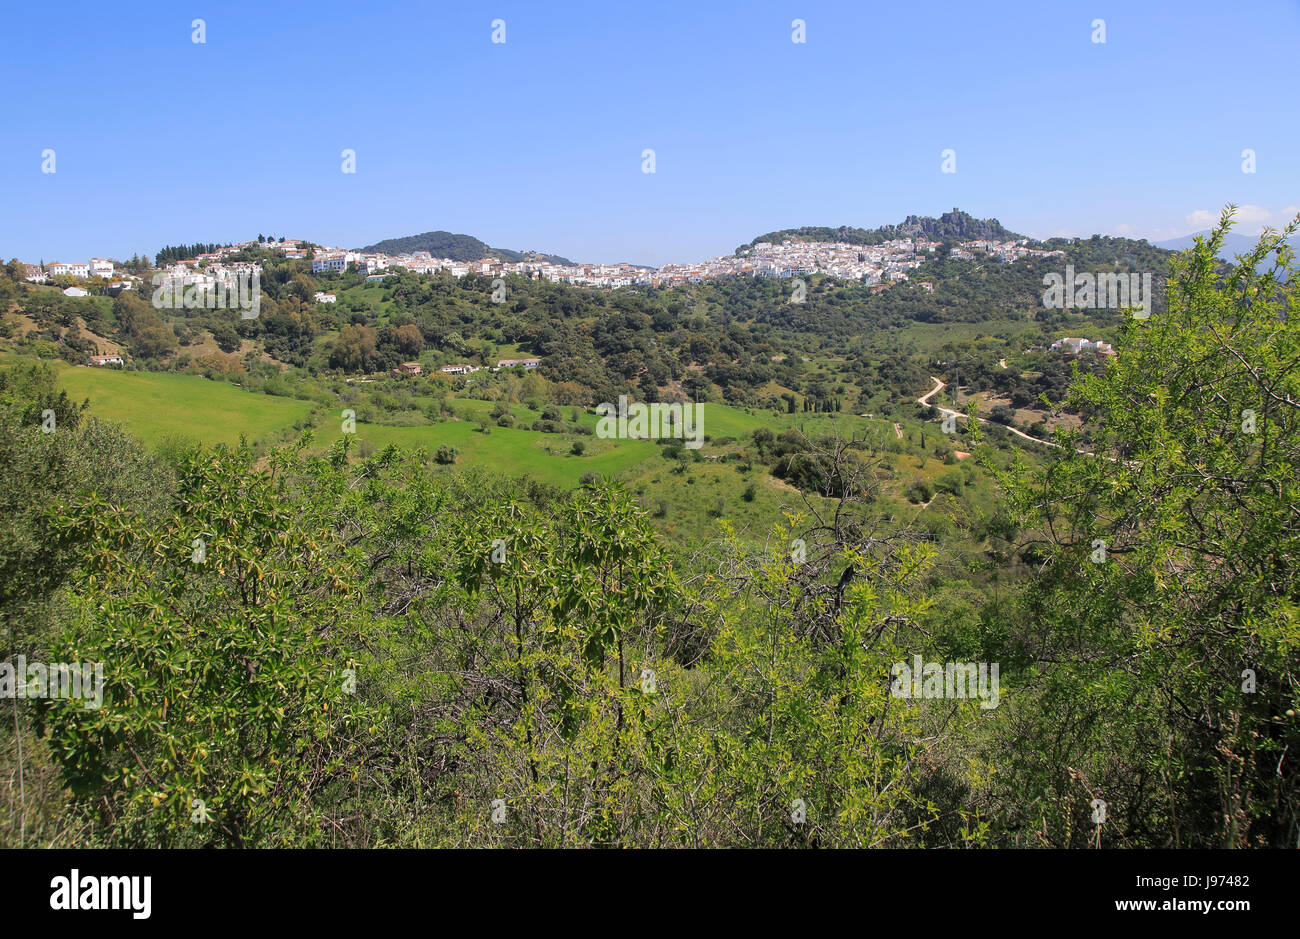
(1233, 243)
(955, 226)
(445, 244)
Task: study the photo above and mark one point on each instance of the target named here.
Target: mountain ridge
(955, 225)
(458, 247)
(1233, 243)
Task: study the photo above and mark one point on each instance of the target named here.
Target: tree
(355, 348)
(223, 332)
(42, 469)
(42, 472)
(154, 339)
(576, 593)
(409, 339)
(1167, 603)
(226, 704)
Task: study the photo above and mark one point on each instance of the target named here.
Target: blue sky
(537, 142)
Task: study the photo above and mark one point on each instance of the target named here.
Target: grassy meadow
(689, 499)
(156, 406)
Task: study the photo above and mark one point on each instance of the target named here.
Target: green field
(507, 450)
(155, 406)
(689, 501)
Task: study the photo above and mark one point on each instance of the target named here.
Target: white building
(59, 269)
(325, 297)
(328, 264)
(101, 267)
(331, 263)
(1076, 345)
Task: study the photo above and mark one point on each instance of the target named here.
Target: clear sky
(536, 143)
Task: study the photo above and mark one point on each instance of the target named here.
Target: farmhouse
(102, 360)
(407, 368)
(458, 369)
(511, 363)
(1076, 345)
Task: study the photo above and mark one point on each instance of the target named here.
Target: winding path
(924, 400)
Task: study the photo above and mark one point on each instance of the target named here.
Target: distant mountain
(445, 244)
(955, 225)
(1233, 243)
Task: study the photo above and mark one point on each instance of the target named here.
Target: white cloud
(1257, 214)
(1250, 219)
